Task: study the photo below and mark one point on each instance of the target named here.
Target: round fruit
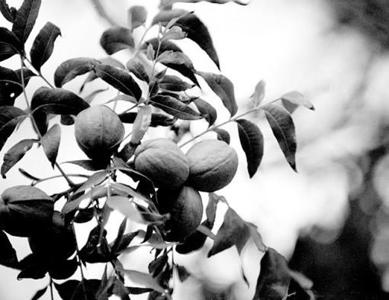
(212, 165)
(98, 131)
(56, 241)
(163, 162)
(185, 208)
(25, 210)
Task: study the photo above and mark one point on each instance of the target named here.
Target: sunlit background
(334, 211)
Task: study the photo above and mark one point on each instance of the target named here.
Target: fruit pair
(208, 166)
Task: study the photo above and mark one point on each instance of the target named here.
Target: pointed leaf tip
(251, 140)
(283, 129)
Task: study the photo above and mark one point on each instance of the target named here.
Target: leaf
(95, 193)
(50, 143)
(297, 98)
(222, 135)
(144, 279)
(9, 44)
(72, 68)
(10, 86)
(251, 139)
(139, 68)
(25, 19)
(43, 45)
(193, 26)
(234, 231)
(74, 289)
(182, 272)
(63, 269)
(273, 280)
(28, 175)
(93, 180)
(256, 237)
(174, 33)
(157, 119)
(10, 116)
(180, 62)
(109, 60)
(32, 266)
(174, 107)
(7, 12)
(96, 249)
(88, 164)
(206, 110)
(119, 79)
(15, 154)
(125, 207)
(115, 39)
(259, 93)
(160, 47)
(166, 3)
(137, 16)
(141, 124)
(282, 126)
(122, 243)
(223, 88)
(39, 293)
(196, 240)
(57, 101)
(174, 83)
(8, 256)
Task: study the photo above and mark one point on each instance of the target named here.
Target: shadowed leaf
(180, 62)
(74, 289)
(139, 68)
(57, 101)
(8, 256)
(223, 88)
(119, 79)
(283, 129)
(115, 39)
(137, 16)
(72, 68)
(222, 135)
(174, 83)
(206, 110)
(10, 116)
(251, 139)
(274, 278)
(25, 19)
(9, 44)
(234, 231)
(43, 45)
(157, 119)
(39, 293)
(144, 279)
(10, 86)
(175, 107)
(193, 26)
(8, 13)
(15, 154)
(63, 269)
(50, 143)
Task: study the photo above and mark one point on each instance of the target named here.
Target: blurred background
(331, 219)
